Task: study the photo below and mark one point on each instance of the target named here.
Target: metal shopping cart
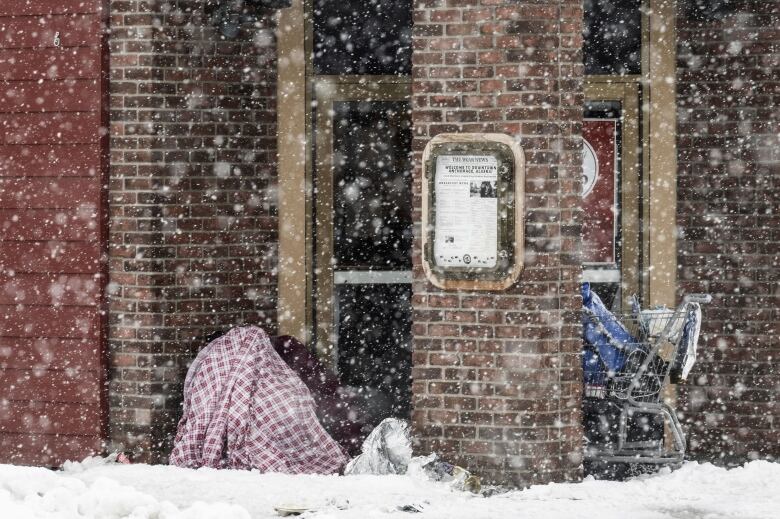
(627, 362)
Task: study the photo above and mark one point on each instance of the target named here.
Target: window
(613, 37)
(366, 37)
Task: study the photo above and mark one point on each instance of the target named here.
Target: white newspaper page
(466, 228)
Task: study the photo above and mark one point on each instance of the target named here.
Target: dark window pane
(707, 10)
(613, 37)
(362, 37)
(374, 344)
(372, 185)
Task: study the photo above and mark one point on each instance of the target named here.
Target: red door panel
(50, 353)
(45, 449)
(70, 160)
(52, 230)
(69, 95)
(49, 7)
(79, 224)
(50, 256)
(72, 30)
(50, 63)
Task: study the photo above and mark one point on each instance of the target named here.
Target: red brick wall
(497, 375)
(729, 244)
(193, 202)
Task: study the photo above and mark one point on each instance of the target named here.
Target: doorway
(611, 191)
(612, 169)
(363, 236)
(359, 194)
(629, 55)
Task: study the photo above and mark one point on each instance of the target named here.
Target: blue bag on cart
(606, 340)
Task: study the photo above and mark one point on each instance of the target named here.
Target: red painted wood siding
(52, 230)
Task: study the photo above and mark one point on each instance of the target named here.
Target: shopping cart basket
(628, 361)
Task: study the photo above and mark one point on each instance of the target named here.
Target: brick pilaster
(497, 376)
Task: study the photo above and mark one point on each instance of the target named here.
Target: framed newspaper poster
(473, 211)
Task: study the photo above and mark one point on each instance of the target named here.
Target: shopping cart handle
(697, 298)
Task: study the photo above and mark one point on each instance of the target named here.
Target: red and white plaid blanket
(244, 408)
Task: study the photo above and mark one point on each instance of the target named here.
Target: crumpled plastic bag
(686, 355)
(387, 450)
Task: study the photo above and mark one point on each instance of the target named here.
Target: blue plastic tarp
(606, 345)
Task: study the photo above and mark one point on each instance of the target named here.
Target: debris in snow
(287, 510)
(458, 477)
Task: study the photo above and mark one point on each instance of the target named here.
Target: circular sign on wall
(590, 168)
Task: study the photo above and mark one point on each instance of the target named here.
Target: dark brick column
(729, 221)
(192, 200)
(497, 376)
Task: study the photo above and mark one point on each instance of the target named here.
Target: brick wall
(497, 375)
(729, 222)
(192, 200)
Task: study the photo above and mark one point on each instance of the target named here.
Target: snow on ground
(102, 490)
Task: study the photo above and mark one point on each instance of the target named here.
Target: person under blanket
(245, 408)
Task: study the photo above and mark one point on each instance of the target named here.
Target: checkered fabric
(244, 408)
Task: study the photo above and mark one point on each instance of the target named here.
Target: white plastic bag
(387, 450)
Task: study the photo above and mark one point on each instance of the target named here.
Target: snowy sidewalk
(161, 492)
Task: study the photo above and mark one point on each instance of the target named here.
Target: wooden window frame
(626, 91)
(330, 90)
(294, 163)
(659, 186)
(656, 268)
(298, 90)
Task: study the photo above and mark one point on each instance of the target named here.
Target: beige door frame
(330, 90)
(297, 88)
(625, 90)
(294, 162)
(659, 217)
(656, 224)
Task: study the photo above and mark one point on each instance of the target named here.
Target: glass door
(363, 235)
(611, 195)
